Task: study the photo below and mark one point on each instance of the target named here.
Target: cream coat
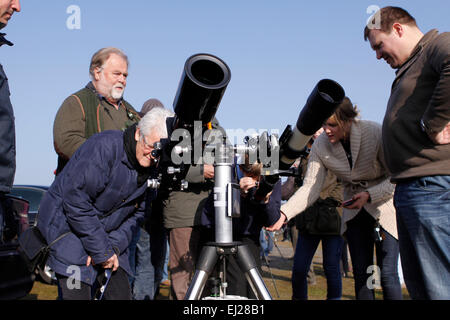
(368, 174)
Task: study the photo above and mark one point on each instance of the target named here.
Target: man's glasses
(147, 146)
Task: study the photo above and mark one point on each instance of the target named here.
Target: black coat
(7, 136)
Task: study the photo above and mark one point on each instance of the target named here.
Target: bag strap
(59, 238)
(65, 234)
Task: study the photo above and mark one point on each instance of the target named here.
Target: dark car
(34, 195)
(15, 279)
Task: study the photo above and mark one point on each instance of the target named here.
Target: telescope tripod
(211, 254)
(224, 246)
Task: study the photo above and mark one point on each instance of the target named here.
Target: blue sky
(277, 51)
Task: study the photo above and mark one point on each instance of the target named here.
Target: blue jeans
(361, 243)
(266, 244)
(165, 273)
(144, 283)
(132, 254)
(304, 253)
(423, 213)
(150, 255)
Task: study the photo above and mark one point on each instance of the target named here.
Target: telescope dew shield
(202, 85)
(321, 104)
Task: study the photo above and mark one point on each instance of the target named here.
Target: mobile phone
(348, 202)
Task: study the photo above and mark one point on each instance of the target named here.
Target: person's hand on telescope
(208, 171)
(246, 183)
(277, 225)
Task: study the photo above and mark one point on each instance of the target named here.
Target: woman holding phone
(351, 149)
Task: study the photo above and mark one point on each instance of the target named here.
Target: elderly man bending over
(98, 201)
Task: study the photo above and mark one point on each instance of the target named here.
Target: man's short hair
(149, 105)
(388, 16)
(99, 58)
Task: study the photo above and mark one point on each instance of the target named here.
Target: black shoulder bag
(322, 218)
(34, 249)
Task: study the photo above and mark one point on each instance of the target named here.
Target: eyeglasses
(147, 146)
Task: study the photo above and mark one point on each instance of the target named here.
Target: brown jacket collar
(429, 36)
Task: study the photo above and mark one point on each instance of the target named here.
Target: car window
(32, 195)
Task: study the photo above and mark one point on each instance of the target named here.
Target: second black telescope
(321, 104)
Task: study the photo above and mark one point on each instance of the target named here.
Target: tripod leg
(249, 267)
(207, 261)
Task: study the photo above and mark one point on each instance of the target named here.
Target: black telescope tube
(202, 85)
(321, 104)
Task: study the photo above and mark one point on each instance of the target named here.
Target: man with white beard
(97, 107)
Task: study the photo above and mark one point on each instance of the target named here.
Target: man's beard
(117, 94)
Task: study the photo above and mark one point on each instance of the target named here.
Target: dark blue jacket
(97, 179)
(7, 136)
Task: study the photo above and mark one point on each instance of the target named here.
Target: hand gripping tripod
(224, 246)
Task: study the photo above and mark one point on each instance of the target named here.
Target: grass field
(279, 286)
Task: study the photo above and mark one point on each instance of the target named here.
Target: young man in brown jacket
(416, 142)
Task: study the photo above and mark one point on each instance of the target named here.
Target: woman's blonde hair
(345, 112)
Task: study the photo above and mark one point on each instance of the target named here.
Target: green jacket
(83, 114)
(184, 208)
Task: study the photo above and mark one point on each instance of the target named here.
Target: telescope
(202, 85)
(320, 105)
(200, 91)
